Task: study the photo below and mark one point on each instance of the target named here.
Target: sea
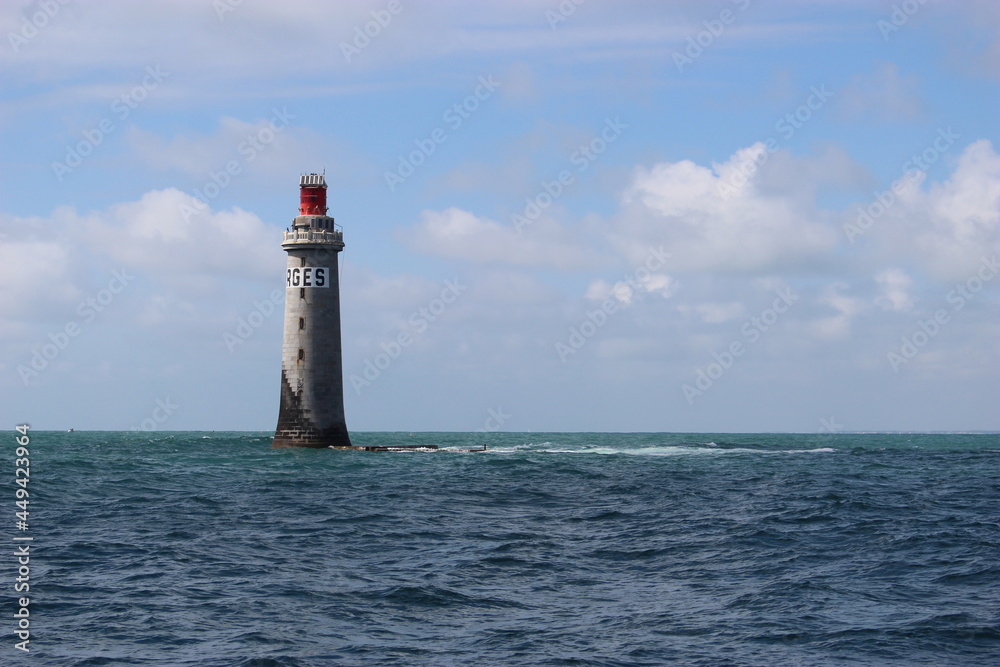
(199, 548)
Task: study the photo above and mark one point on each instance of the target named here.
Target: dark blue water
(549, 549)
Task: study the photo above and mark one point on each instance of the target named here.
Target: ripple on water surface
(589, 549)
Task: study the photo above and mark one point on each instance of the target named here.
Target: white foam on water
(667, 451)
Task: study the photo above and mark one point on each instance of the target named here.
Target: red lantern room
(312, 194)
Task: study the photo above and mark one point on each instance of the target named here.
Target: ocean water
(548, 549)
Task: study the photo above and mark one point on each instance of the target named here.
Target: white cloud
(44, 276)
(895, 287)
(713, 313)
(251, 50)
(131, 291)
(648, 283)
(948, 226)
(459, 234)
(35, 275)
(802, 177)
(151, 235)
(837, 326)
(711, 220)
(658, 283)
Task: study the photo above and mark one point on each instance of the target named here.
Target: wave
(660, 451)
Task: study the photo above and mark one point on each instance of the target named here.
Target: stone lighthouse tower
(312, 379)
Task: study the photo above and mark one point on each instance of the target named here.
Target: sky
(687, 216)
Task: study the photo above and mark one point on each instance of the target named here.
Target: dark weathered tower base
(296, 429)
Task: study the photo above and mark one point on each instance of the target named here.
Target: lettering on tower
(307, 276)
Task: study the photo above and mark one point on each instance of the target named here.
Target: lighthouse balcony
(314, 236)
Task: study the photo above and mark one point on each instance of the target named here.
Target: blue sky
(656, 216)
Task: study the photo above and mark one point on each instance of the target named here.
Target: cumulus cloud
(963, 212)
(733, 219)
(803, 177)
(132, 289)
(153, 236)
(43, 275)
(712, 219)
(35, 274)
(947, 226)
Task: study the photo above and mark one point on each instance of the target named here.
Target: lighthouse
(312, 379)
